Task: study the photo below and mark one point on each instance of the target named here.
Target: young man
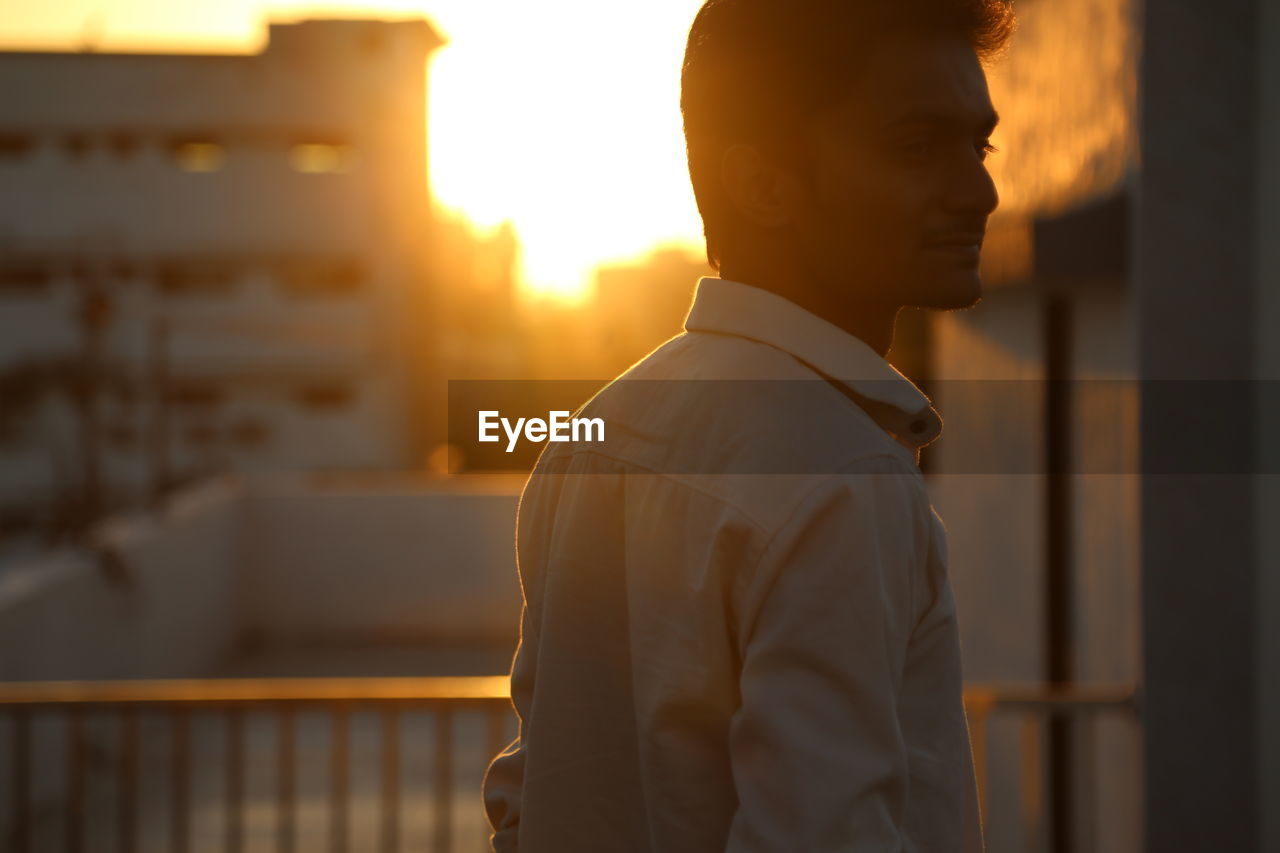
(738, 632)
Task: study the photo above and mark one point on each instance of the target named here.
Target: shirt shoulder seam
(760, 527)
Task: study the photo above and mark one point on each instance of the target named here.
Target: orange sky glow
(560, 116)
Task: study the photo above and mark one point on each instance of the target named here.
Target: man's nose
(971, 189)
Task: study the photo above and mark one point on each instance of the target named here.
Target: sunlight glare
(564, 117)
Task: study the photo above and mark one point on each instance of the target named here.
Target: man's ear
(760, 191)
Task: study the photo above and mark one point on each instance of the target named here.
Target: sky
(562, 115)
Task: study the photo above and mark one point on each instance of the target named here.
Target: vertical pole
(158, 356)
(75, 779)
(339, 774)
(127, 803)
(444, 779)
(180, 779)
(21, 780)
(284, 779)
(1059, 571)
(92, 317)
(1032, 777)
(235, 779)
(390, 793)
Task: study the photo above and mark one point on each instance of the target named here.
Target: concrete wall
(161, 603)
(281, 561)
(390, 562)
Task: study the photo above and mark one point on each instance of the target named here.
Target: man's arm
(503, 785)
(504, 778)
(818, 757)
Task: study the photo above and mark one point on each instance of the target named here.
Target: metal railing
(1038, 705)
(443, 698)
(339, 697)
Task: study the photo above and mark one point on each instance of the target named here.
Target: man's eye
(985, 147)
(918, 148)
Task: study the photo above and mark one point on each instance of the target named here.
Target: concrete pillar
(1206, 225)
(1267, 496)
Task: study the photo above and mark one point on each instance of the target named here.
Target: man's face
(897, 203)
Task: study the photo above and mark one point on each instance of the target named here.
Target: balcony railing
(390, 700)
(1079, 706)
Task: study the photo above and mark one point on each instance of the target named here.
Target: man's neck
(872, 323)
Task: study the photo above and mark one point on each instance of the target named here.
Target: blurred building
(483, 334)
(640, 305)
(213, 262)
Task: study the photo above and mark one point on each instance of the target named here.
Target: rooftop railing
(388, 700)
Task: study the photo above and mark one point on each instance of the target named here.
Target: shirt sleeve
(817, 753)
(504, 778)
(503, 788)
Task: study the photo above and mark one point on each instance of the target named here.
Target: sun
(564, 118)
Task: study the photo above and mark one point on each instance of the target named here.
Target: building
(212, 262)
(640, 305)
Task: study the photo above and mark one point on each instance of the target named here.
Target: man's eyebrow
(986, 124)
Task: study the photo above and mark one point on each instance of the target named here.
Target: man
(738, 631)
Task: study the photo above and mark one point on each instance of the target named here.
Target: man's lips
(957, 240)
(961, 247)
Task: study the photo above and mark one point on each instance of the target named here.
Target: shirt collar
(889, 397)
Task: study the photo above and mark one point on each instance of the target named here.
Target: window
(195, 278)
(123, 436)
(333, 277)
(326, 396)
(322, 157)
(198, 155)
(76, 145)
(250, 433)
(14, 146)
(123, 144)
(23, 275)
(122, 269)
(195, 395)
(202, 434)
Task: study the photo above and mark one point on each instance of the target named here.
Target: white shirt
(738, 633)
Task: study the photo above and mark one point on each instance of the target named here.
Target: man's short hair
(755, 69)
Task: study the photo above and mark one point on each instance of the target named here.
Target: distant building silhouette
(640, 305)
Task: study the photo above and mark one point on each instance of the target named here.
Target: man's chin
(952, 294)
